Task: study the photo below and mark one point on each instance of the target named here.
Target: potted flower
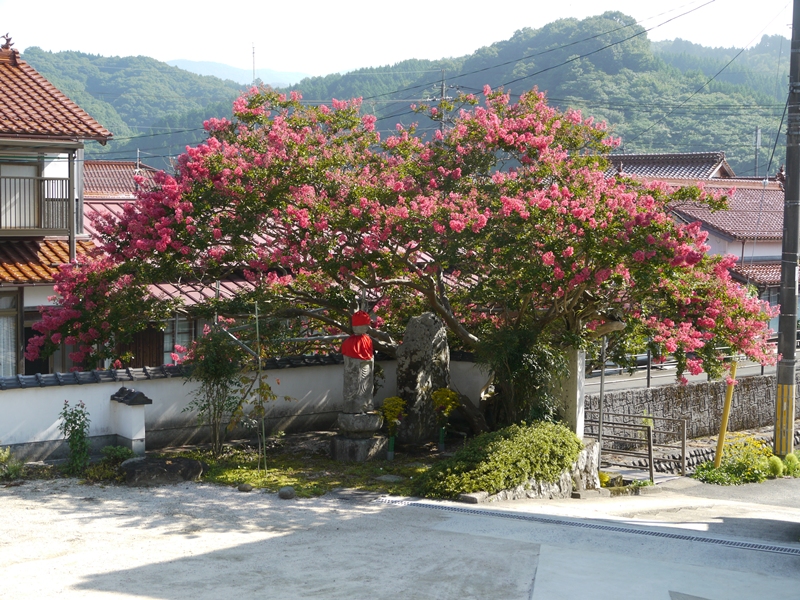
(445, 401)
(393, 411)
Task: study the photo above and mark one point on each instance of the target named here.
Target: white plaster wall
(761, 249)
(468, 378)
(37, 295)
(32, 415)
(56, 165)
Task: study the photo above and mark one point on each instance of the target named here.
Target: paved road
(689, 541)
(658, 377)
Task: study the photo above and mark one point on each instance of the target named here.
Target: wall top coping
(17, 382)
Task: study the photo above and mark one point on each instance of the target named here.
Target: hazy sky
(320, 37)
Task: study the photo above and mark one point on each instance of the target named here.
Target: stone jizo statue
(358, 366)
(358, 418)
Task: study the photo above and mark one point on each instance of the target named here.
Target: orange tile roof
(32, 107)
(759, 273)
(35, 261)
(113, 179)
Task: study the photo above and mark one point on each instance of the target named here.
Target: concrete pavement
(689, 541)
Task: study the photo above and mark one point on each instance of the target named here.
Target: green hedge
(503, 459)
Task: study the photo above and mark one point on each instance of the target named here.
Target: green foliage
(445, 401)
(108, 469)
(638, 483)
(393, 410)
(116, 454)
(10, 467)
(526, 369)
(775, 466)
(74, 427)
(137, 97)
(216, 363)
(310, 473)
(744, 460)
(604, 477)
(503, 459)
(792, 463)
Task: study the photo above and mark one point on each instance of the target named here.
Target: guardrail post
(683, 448)
(650, 452)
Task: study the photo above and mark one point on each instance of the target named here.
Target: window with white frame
(179, 331)
(9, 322)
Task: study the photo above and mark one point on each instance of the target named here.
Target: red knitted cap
(360, 318)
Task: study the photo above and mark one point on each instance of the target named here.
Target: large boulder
(423, 366)
(146, 471)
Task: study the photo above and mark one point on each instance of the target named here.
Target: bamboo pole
(726, 412)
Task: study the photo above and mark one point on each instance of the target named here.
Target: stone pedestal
(358, 450)
(359, 426)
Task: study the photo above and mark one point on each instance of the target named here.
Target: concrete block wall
(752, 406)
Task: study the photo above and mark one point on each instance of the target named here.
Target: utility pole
(787, 324)
(254, 63)
(758, 146)
(441, 106)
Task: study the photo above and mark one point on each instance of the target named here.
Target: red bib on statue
(358, 346)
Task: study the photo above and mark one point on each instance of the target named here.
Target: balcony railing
(34, 204)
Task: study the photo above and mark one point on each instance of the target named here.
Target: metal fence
(637, 436)
(34, 203)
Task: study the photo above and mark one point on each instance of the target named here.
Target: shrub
(10, 467)
(744, 460)
(116, 454)
(604, 477)
(108, 469)
(74, 427)
(775, 466)
(792, 465)
(216, 363)
(503, 459)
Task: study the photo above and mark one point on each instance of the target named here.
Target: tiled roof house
(42, 135)
(752, 226)
(108, 187)
(689, 165)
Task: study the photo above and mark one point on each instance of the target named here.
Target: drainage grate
(547, 521)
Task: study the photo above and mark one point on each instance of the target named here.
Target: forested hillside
(659, 97)
(145, 103)
(667, 97)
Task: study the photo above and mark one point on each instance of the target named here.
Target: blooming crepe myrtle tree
(502, 221)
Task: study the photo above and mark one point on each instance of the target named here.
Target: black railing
(34, 203)
(636, 436)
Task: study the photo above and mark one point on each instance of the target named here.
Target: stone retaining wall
(582, 476)
(701, 404)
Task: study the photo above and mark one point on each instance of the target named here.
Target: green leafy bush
(503, 459)
(744, 460)
(108, 469)
(792, 463)
(116, 454)
(10, 467)
(74, 427)
(775, 466)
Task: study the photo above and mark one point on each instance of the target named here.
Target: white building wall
(37, 295)
(56, 165)
(308, 398)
